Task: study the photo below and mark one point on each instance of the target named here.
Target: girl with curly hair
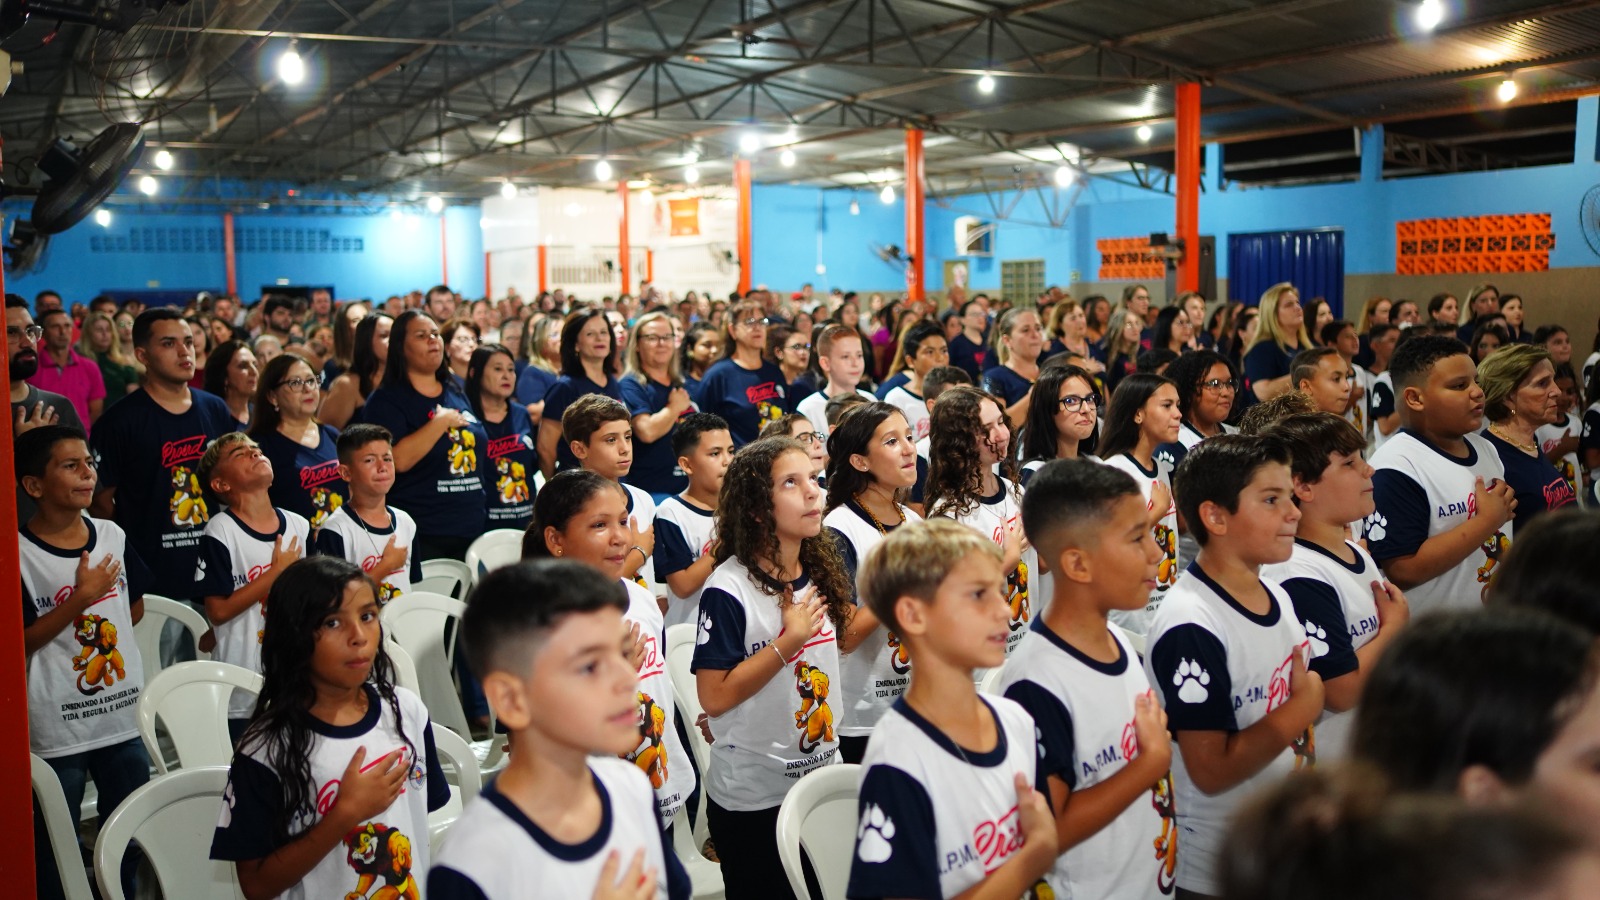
(780, 594)
(872, 465)
(970, 479)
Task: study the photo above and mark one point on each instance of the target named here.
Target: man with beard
(30, 407)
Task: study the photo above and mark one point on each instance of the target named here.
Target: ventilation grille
(209, 240)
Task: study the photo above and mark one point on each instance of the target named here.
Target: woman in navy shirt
(305, 464)
(348, 392)
(744, 388)
(508, 481)
(1019, 339)
(439, 446)
(656, 399)
(1519, 395)
(536, 379)
(1280, 334)
(588, 366)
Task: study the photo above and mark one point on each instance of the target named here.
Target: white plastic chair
(172, 819)
(58, 824)
(191, 700)
(990, 682)
(818, 817)
(461, 769)
(490, 551)
(449, 577)
(405, 671)
(416, 622)
(159, 610)
(704, 875)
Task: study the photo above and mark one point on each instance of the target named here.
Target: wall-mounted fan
(24, 247)
(76, 181)
(893, 255)
(1589, 218)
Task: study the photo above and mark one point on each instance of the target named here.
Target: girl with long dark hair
(1143, 416)
(588, 366)
(348, 393)
(508, 482)
(1062, 419)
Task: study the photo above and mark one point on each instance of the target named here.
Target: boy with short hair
(1104, 746)
(366, 530)
(1225, 650)
(1342, 337)
(567, 817)
(684, 527)
(1443, 509)
(600, 433)
(843, 359)
(1322, 374)
(1339, 595)
(83, 590)
(948, 802)
(242, 552)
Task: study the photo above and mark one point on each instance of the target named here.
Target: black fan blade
(69, 196)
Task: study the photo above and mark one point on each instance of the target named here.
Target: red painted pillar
(650, 266)
(444, 255)
(915, 272)
(544, 268)
(1188, 177)
(229, 259)
(488, 278)
(741, 184)
(16, 788)
(622, 239)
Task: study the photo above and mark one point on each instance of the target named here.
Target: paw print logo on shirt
(200, 568)
(873, 835)
(1038, 737)
(1191, 681)
(1318, 637)
(703, 634)
(1377, 526)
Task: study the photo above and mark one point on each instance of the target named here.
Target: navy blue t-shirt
(1539, 487)
(1006, 384)
(152, 458)
(655, 466)
(1264, 362)
(533, 383)
(745, 399)
(902, 377)
(968, 355)
(512, 462)
(443, 492)
(305, 480)
(560, 396)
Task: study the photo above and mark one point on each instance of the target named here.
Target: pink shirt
(78, 381)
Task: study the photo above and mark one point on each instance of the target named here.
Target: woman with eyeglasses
(1063, 429)
(588, 366)
(1207, 384)
(744, 388)
(461, 337)
(790, 348)
(305, 462)
(440, 444)
(656, 399)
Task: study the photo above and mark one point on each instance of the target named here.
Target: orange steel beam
(916, 271)
(544, 268)
(622, 239)
(488, 277)
(444, 254)
(741, 184)
(1188, 179)
(649, 265)
(230, 260)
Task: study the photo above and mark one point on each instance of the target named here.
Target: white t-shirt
(1570, 466)
(1083, 710)
(660, 754)
(914, 407)
(231, 556)
(683, 535)
(936, 818)
(1381, 405)
(1589, 363)
(1420, 492)
(84, 685)
(991, 517)
(642, 509)
(786, 728)
(1333, 601)
(391, 849)
(878, 671)
(1360, 412)
(1166, 535)
(495, 851)
(815, 408)
(1218, 667)
(347, 535)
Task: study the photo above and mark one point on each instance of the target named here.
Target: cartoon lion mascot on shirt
(188, 504)
(1167, 570)
(651, 754)
(462, 460)
(899, 660)
(1166, 843)
(1494, 548)
(99, 663)
(323, 504)
(1017, 595)
(513, 481)
(814, 718)
(377, 851)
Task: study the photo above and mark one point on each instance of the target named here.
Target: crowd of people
(1181, 546)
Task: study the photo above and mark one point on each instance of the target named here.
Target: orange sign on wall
(1519, 243)
(685, 216)
(1128, 258)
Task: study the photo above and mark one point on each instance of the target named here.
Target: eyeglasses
(798, 347)
(298, 384)
(1217, 384)
(1072, 403)
(754, 323)
(32, 333)
(655, 338)
(811, 437)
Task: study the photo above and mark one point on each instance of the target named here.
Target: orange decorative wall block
(1126, 259)
(1470, 244)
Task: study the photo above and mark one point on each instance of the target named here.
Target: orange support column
(444, 255)
(741, 185)
(544, 268)
(622, 239)
(229, 259)
(650, 265)
(16, 790)
(914, 224)
(1188, 177)
(488, 278)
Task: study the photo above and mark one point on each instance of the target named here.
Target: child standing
(1559, 439)
(969, 441)
(242, 553)
(683, 525)
(948, 805)
(778, 595)
(1225, 650)
(566, 818)
(923, 349)
(1443, 510)
(83, 590)
(872, 464)
(1060, 429)
(843, 359)
(367, 530)
(1143, 416)
(582, 516)
(330, 790)
(1103, 738)
(600, 435)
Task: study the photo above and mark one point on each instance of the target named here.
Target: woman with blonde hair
(1120, 350)
(1018, 340)
(541, 347)
(1519, 395)
(1280, 334)
(100, 343)
(1482, 300)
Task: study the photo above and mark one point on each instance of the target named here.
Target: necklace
(874, 519)
(1529, 447)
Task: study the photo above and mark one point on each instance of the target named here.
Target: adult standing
(744, 388)
(148, 448)
(588, 366)
(65, 371)
(99, 342)
(1019, 339)
(440, 304)
(347, 394)
(233, 374)
(655, 396)
(508, 482)
(1519, 395)
(1280, 334)
(967, 350)
(305, 463)
(438, 451)
(1136, 301)
(542, 348)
